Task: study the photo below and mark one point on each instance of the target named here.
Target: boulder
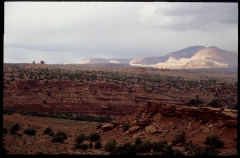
(151, 129)
(231, 123)
(132, 129)
(107, 126)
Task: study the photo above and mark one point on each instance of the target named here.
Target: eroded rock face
(145, 114)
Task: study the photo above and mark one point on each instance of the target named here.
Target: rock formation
(42, 62)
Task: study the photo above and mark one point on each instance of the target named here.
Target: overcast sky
(64, 32)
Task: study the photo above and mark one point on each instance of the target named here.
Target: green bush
(80, 138)
(30, 131)
(58, 138)
(94, 137)
(63, 134)
(98, 145)
(47, 130)
(214, 141)
(110, 146)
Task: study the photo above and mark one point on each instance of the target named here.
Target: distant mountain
(211, 57)
(216, 54)
(183, 53)
(191, 57)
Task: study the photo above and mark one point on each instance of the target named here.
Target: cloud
(66, 31)
(193, 16)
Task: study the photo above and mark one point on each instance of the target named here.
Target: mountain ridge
(190, 57)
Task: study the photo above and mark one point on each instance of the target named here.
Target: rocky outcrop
(132, 129)
(107, 127)
(145, 114)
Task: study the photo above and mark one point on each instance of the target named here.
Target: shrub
(167, 150)
(178, 153)
(126, 127)
(210, 151)
(98, 145)
(84, 147)
(58, 138)
(158, 147)
(195, 101)
(110, 146)
(114, 152)
(126, 149)
(51, 133)
(215, 103)
(78, 146)
(39, 153)
(5, 130)
(15, 128)
(144, 147)
(30, 131)
(213, 140)
(198, 151)
(179, 138)
(47, 130)
(138, 141)
(94, 137)
(80, 138)
(63, 134)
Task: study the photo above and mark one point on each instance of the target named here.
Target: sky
(65, 32)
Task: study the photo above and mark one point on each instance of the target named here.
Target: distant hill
(191, 57)
(211, 57)
(183, 53)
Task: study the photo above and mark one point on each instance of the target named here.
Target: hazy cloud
(60, 32)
